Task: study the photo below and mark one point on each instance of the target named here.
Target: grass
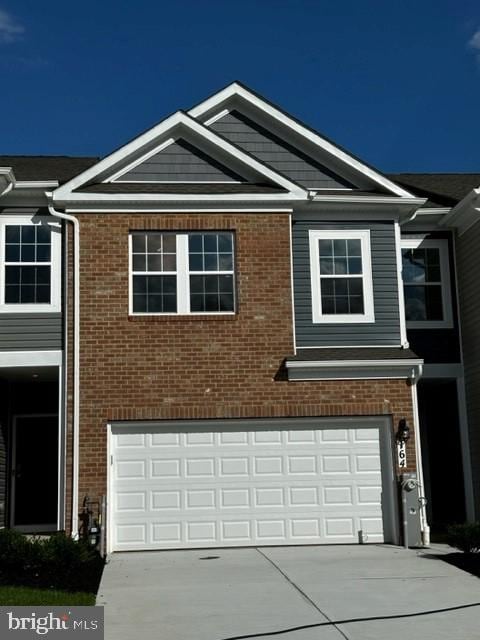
(28, 596)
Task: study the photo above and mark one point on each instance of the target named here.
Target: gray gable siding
(386, 328)
(180, 162)
(278, 154)
(30, 331)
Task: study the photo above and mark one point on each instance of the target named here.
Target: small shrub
(56, 562)
(465, 537)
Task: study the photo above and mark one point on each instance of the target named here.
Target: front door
(34, 472)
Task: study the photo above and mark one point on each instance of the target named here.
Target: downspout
(76, 356)
(418, 459)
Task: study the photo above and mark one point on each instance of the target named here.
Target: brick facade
(146, 368)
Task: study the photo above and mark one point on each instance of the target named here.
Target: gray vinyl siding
(3, 452)
(275, 152)
(30, 331)
(386, 328)
(468, 274)
(180, 162)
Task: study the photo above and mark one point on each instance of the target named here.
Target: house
(209, 327)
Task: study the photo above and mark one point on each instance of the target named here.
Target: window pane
(225, 262)
(28, 234)
(413, 265)
(354, 265)
(325, 248)
(211, 293)
(154, 262)
(154, 294)
(43, 274)
(356, 304)
(340, 265)
(139, 284)
(211, 262)
(12, 294)
(225, 243)
(354, 248)
(169, 262)
(12, 252)
(139, 263)
(342, 295)
(339, 248)
(415, 304)
(12, 233)
(210, 243)
(154, 243)
(139, 303)
(328, 305)
(43, 253)
(341, 304)
(226, 302)
(12, 275)
(433, 299)
(27, 253)
(196, 262)
(27, 293)
(225, 284)
(139, 243)
(43, 294)
(43, 234)
(195, 243)
(170, 243)
(340, 286)
(326, 266)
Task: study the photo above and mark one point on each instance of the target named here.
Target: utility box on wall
(411, 505)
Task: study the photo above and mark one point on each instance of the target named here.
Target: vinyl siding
(180, 162)
(468, 267)
(3, 452)
(30, 332)
(275, 152)
(386, 328)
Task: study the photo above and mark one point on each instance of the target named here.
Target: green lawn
(49, 597)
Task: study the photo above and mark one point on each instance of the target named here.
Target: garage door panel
(235, 487)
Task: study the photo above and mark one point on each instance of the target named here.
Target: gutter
(465, 214)
(9, 176)
(76, 355)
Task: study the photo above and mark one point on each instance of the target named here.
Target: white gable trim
(177, 123)
(237, 90)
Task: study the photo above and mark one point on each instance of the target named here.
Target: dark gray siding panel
(180, 162)
(468, 271)
(3, 452)
(275, 152)
(386, 328)
(30, 332)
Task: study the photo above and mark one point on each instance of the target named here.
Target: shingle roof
(353, 353)
(61, 168)
(442, 189)
(180, 187)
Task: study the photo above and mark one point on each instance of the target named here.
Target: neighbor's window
(182, 272)
(341, 276)
(426, 283)
(30, 261)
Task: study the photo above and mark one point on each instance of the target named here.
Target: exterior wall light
(403, 431)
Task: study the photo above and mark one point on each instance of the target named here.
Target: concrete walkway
(365, 592)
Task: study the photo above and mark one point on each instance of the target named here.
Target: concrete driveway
(365, 592)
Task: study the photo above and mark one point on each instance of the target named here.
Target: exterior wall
(180, 162)
(438, 346)
(3, 452)
(275, 152)
(385, 330)
(468, 278)
(30, 331)
(199, 367)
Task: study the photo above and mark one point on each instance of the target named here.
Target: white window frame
(442, 245)
(182, 274)
(368, 316)
(55, 265)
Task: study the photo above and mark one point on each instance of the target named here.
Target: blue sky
(396, 82)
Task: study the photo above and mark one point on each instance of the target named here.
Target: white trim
(30, 359)
(401, 297)
(216, 117)
(109, 514)
(290, 240)
(55, 264)
(369, 199)
(465, 214)
(418, 458)
(36, 184)
(175, 209)
(132, 165)
(175, 125)
(34, 528)
(236, 90)
(442, 245)
(96, 198)
(354, 346)
(368, 316)
(465, 448)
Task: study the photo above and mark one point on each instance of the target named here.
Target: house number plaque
(402, 454)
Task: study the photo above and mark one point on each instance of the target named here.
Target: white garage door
(248, 483)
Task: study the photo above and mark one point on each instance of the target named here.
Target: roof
(441, 189)
(353, 353)
(36, 168)
(179, 187)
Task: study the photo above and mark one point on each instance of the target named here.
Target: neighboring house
(226, 350)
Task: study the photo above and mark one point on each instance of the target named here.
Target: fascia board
(177, 119)
(236, 89)
(465, 214)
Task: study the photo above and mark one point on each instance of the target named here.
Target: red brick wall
(143, 368)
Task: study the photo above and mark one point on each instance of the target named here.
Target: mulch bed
(469, 562)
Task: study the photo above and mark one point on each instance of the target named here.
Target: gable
(180, 162)
(277, 153)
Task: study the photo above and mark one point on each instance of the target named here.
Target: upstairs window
(30, 265)
(341, 276)
(182, 273)
(426, 283)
